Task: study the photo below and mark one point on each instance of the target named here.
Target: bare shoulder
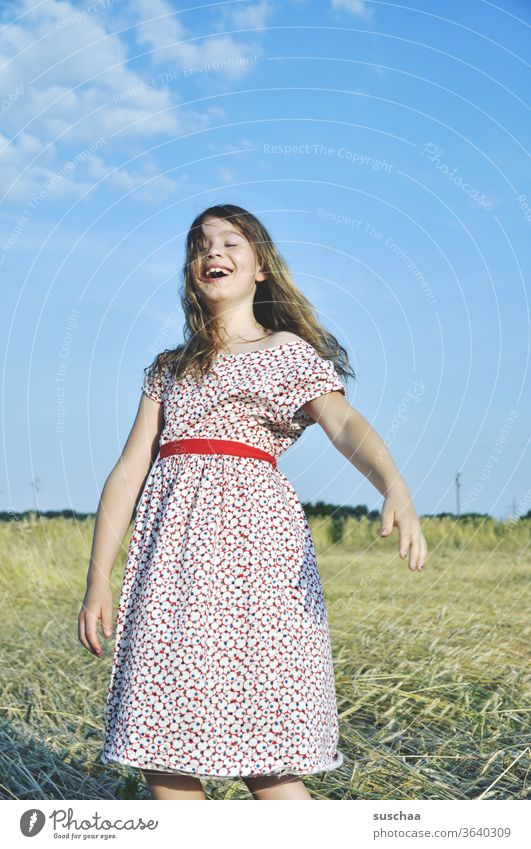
(284, 336)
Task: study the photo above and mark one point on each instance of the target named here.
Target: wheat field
(431, 678)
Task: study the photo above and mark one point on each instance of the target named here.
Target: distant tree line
(320, 508)
(44, 514)
(323, 508)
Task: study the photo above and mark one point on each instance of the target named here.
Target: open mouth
(216, 274)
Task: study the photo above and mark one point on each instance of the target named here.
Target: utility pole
(36, 488)
(457, 488)
(513, 510)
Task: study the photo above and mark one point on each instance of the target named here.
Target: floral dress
(222, 661)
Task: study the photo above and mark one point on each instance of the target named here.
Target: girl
(222, 662)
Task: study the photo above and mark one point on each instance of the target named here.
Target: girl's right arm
(119, 497)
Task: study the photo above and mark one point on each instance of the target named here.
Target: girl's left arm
(357, 440)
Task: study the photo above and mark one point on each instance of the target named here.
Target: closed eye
(227, 245)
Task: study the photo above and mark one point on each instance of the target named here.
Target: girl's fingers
(410, 538)
(414, 559)
(387, 520)
(419, 552)
(404, 541)
(106, 622)
(424, 551)
(81, 629)
(91, 637)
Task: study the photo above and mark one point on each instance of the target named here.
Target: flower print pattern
(222, 663)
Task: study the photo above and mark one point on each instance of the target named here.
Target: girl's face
(226, 249)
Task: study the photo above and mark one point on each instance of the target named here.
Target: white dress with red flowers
(222, 661)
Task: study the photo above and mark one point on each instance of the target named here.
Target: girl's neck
(254, 334)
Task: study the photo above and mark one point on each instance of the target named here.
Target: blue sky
(385, 149)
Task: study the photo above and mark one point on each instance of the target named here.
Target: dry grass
(433, 694)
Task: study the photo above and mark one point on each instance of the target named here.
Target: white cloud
(147, 182)
(249, 15)
(355, 7)
(230, 147)
(66, 82)
(46, 180)
(160, 28)
(158, 25)
(70, 71)
(226, 175)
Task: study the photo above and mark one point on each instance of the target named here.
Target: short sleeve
(308, 376)
(153, 384)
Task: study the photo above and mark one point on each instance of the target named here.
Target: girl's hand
(398, 511)
(97, 606)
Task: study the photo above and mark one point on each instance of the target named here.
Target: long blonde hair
(278, 303)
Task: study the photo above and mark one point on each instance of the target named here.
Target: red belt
(204, 445)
